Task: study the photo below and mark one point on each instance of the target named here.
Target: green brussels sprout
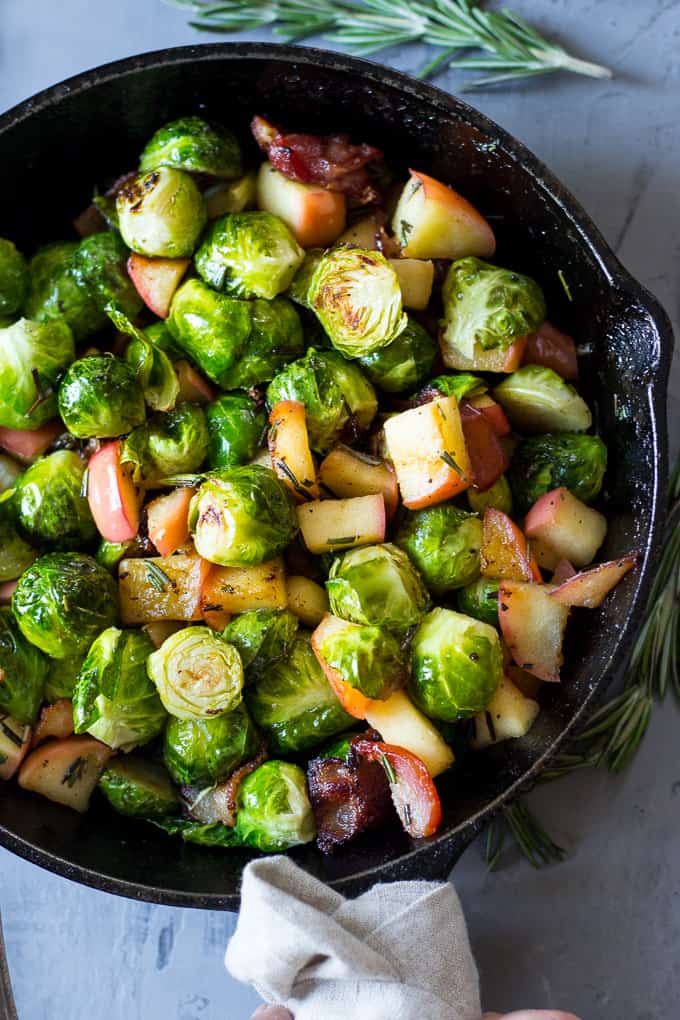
(152, 366)
(379, 586)
(444, 543)
(191, 144)
(57, 292)
(162, 339)
(62, 676)
(242, 516)
(489, 306)
(236, 428)
(294, 703)
(231, 196)
(14, 279)
(197, 674)
(536, 399)
(33, 356)
(499, 497)
(161, 213)
(405, 363)
(299, 287)
(22, 668)
(109, 554)
(356, 296)
(248, 255)
(458, 385)
(276, 338)
(543, 463)
(340, 748)
(262, 637)
(100, 264)
(63, 601)
(206, 751)
(273, 808)
(336, 394)
(100, 396)
(167, 444)
(16, 555)
(139, 788)
(114, 699)
(10, 470)
(52, 509)
(457, 665)
(201, 833)
(480, 600)
(367, 658)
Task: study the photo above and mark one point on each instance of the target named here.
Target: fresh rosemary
(509, 47)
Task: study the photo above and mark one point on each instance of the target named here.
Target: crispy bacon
(348, 799)
(218, 803)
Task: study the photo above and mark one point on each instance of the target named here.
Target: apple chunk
(561, 527)
(315, 215)
(590, 588)
(432, 221)
(307, 600)
(55, 721)
(346, 473)
(15, 740)
(65, 771)
(331, 525)
(416, 277)
(113, 497)
(399, 722)
(161, 588)
(156, 280)
(497, 359)
(240, 589)
(533, 624)
(504, 549)
(167, 520)
(509, 714)
(289, 449)
(28, 445)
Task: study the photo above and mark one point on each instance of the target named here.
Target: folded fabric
(399, 952)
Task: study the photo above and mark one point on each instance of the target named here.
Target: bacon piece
(348, 799)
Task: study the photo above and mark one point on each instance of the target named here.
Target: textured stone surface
(598, 934)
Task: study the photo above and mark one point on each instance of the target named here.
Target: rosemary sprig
(528, 833)
(509, 47)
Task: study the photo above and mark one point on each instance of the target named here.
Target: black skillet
(56, 146)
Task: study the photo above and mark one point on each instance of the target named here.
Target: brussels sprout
(294, 703)
(168, 444)
(458, 385)
(139, 788)
(367, 658)
(197, 674)
(114, 699)
(100, 396)
(14, 279)
(10, 470)
(543, 463)
(444, 544)
(161, 213)
(299, 288)
(377, 585)
(262, 637)
(109, 554)
(205, 751)
(457, 665)
(22, 668)
(336, 394)
(499, 497)
(236, 428)
(100, 263)
(480, 600)
(273, 808)
(276, 338)
(62, 677)
(242, 516)
(33, 356)
(191, 144)
(152, 366)
(249, 254)
(57, 292)
(15, 554)
(63, 601)
(489, 306)
(231, 196)
(162, 339)
(405, 363)
(201, 833)
(536, 399)
(52, 509)
(340, 748)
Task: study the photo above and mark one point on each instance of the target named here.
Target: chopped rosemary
(448, 459)
(290, 475)
(565, 286)
(42, 394)
(83, 484)
(74, 773)
(157, 577)
(389, 771)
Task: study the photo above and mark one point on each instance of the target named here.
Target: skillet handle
(432, 864)
(7, 1007)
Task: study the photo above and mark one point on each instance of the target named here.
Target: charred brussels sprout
(377, 585)
(16, 555)
(367, 658)
(114, 700)
(294, 703)
(536, 399)
(249, 254)
(168, 444)
(100, 264)
(405, 363)
(236, 428)
(23, 670)
(100, 396)
(192, 144)
(57, 292)
(456, 665)
(242, 516)
(14, 279)
(273, 808)
(51, 508)
(161, 213)
(139, 788)
(262, 637)
(196, 673)
(480, 600)
(499, 497)
(489, 306)
(63, 601)
(543, 463)
(444, 544)
(336, 394)
(206, 751)
(33, 355)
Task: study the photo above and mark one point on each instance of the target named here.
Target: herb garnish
(157, 577)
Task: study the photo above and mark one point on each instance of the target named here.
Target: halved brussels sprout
(249, 254)
(100, 396)
(52, 510)
(62, 677)
(100, 264)
(14, 279)
(33, 355)
(242, 516)
(197, 674)
(276, 338)
(15, 554)
(58, 292)
(152, 366)
(458, 385)
(167, 444)
(161, 213)
(368, 658)
(377, 585)
(536, 399)
(139, 788)
(114, 699)
(405, 363)
(273, 808)
(543, 463)
(299, 287)
(498, 497)
(262, 637)
(480, 600)
(356, 296)
(444, 543)
(63, 601)
(457, 665)
(192, 144)
(109, 554)
(206, 751)
(22, 668)
(236, 429)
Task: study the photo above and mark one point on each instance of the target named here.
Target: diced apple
(416, 277)
(533, 624)
(167, 520)
(590, 588)
(331, 525)
(432, 221)
(346, 473)
(427, 447)
(494, 414)
(55, 720)
(161, 588)
(66, 771)
(506, 359)
(193, 387)
(563, 571)
(30, 444)
(15, 740)
(7, 589)
(240, 589)
(113, 497)
(399, 722)
(263, 457)
(315, 215)
(306, 599)
(159, 630)
(364, 233)
(509, 714)
(488, 460)
(230, 196)
(156, 280)
(351, 699)
(554, 349)
(561, 527)
(289, 450)
(505, 554)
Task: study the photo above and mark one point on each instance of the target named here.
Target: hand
(276, 1013)
(521, 1014)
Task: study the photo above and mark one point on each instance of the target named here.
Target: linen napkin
(399, 952)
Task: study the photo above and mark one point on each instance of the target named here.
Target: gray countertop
(599, 933)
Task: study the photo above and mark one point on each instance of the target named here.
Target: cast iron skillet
(56, 146)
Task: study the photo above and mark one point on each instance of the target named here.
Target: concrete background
(598, 934)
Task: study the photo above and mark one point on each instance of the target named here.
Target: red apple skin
(494, 414)
(488, 459)
(532, 624)
(465, 211)
(156, 280)
(551, 347)
(27, 446)
(112, 495)
(590, 588)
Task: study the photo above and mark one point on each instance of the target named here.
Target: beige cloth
(399, 952)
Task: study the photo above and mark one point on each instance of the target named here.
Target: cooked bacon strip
(348, 799)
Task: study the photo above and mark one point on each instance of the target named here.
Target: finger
(532, 1014)
(271, 1013)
